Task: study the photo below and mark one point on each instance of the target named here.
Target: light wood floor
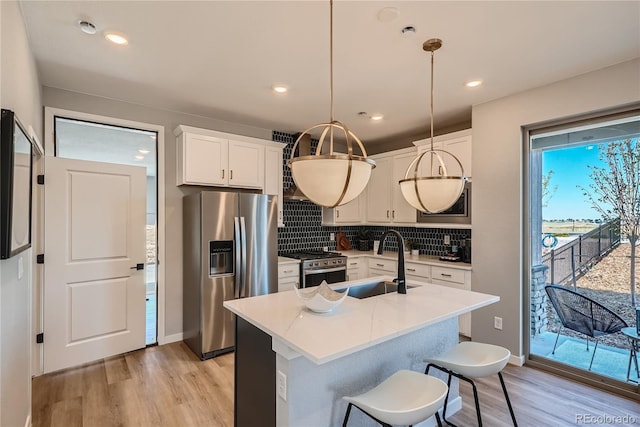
(169, 386)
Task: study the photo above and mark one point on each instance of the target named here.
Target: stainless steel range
(316, 266)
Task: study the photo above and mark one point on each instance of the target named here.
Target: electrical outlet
(332, 237)
(497, 322)
(282, 385)
(447, 239)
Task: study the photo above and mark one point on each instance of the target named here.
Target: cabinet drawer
(447, 274)
(448, 284)
(353, 263)
(383, 264)
(287, 284)
(419, 270)
(288, 270)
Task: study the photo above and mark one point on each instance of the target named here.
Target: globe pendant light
(331, 179)
(430, 187)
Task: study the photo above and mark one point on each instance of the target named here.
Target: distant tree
(547, 188)
(615, 193)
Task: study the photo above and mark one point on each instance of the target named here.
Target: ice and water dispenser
(220, 257)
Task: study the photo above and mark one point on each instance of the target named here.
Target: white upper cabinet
(456, 143)
(401, 210)
(379, 191)
(203, 160)
(246, 164)
(349, 213)
(273, 177)
(211, 158)
(385, 202)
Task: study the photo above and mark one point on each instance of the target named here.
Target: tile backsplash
(304, 230)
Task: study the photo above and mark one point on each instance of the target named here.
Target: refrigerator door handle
(243, 265)
(238, 260)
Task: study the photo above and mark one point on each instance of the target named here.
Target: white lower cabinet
(356, 268)
(382, 267)
(288, 276)
(454, 278)
(417, 271)
(414, 271)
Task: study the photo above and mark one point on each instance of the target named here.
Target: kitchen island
(310, 360)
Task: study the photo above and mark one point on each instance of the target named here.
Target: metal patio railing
(569, 262)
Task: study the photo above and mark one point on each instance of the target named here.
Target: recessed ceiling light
(143, 151)
(116, 38)
(279, 88)
(408, 31)
(388, 14)
(377, 117)
(139, 157)
(87, 27)
(473, 83)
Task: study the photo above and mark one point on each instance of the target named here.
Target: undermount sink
(367, 290)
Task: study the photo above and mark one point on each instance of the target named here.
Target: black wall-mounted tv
(16, 149)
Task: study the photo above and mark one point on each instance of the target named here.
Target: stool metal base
(475, 394)
(346, 416)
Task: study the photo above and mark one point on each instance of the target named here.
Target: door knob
(138, 267)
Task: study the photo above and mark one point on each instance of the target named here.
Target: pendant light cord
(432, 54)
(331, 73)
(331, 59)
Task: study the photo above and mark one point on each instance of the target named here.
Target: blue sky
(569, 167)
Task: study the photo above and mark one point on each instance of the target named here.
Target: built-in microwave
(459, 213)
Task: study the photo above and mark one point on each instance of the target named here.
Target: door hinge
(41, 179)
(40, 338)
(40, 259)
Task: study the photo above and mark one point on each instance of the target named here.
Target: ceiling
(219, 59)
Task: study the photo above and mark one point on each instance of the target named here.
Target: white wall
(59, 98)
(20, 92)
(498, 264)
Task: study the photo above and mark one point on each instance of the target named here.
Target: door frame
(49, 151)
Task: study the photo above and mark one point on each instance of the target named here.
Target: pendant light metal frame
(431, 46)
(328, 130)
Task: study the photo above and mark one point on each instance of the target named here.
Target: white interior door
(94, 298)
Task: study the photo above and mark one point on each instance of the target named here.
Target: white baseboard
(168, 339)
(27, 423)
(516, 360)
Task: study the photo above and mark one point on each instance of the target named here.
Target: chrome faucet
(400, 280)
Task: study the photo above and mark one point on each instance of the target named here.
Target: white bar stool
(472, 360)
(405, 398)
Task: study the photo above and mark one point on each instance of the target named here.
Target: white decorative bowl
(321, 298)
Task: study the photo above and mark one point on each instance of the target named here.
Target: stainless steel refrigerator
(230, 251)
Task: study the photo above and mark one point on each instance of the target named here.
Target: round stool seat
(473, 359)
(406, 397)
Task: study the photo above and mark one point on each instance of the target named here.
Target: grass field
(561, 227)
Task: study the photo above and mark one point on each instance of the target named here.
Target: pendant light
(430, 187)
(331, 179)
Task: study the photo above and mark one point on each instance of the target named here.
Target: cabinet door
(349, 212)
(379, 192)
(246, 164)
(461, 148)
(401, 210)
(273, 177)
(204, 160)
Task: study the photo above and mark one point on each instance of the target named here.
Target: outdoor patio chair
(583, 315)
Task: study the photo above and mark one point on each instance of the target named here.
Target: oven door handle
(325, 270)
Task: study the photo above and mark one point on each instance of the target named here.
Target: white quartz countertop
(357, 323)
(422, 259)
(285, 260)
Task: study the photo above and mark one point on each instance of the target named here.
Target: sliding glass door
(583, 220)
